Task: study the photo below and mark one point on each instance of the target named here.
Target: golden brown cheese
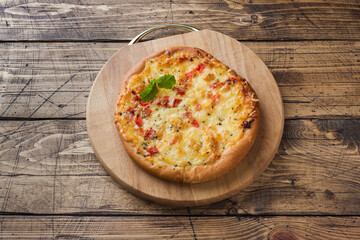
(206, 112)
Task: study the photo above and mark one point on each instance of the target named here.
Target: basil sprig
(149, 93)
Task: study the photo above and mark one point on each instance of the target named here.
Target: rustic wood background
(51, 184)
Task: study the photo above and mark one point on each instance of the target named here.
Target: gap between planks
(110, 215)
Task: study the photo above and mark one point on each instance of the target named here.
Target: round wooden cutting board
(109, 149)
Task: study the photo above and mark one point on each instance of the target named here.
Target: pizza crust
(192, 174)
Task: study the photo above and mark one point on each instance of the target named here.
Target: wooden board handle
(146, 32)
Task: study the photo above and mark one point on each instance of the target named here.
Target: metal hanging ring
(146, 32)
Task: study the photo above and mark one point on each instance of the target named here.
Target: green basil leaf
(149, 92)
(166, 81)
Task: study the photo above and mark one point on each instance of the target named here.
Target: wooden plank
(48, 167)
(52, 80)
(121, 20)
(177, 227)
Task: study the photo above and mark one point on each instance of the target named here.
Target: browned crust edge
(228, 159)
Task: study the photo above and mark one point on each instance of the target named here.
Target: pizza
(184, 116)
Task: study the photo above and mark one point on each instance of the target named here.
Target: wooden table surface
(51, 184)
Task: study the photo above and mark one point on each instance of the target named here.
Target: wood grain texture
(52, 80)
(121, 20)
(48, 167)
(176, 227)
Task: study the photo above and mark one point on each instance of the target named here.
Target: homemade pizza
(184, 116)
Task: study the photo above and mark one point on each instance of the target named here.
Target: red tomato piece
(180, 91)
(132, 112)
(149, 133)
(200, 67)
(182, 59)
(131, 109)
(190, 74)
(152, 151)
(177, 102)
(165, 101)
(195, 123)
(214, 85)
(144, 104)
(148, 111)
(139, 121)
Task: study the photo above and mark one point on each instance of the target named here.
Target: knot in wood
(254, 17)
(276, 235)
(232, 211)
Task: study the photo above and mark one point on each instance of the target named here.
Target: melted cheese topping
(207, 111)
